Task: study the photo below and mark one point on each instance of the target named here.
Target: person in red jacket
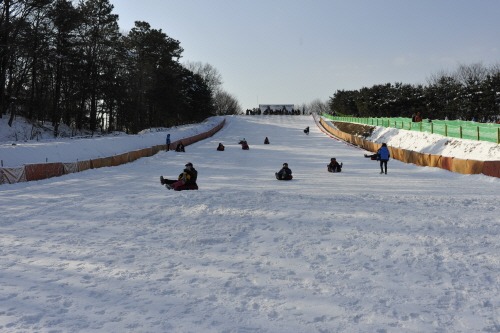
(244, 144)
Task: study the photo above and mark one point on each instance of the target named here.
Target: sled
(184, 187)
(278, 177)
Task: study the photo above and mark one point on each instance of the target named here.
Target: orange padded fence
(83, 165)
(463, 166)
(47, 170)
(42, 171)
(119, 159)
(491, 168)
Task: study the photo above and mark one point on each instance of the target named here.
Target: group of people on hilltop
(416, 118)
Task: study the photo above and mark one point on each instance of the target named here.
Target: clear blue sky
(296, 51)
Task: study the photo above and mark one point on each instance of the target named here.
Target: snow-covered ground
(110, 250)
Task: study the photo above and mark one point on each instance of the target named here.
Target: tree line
(68, 62)
(471, 92)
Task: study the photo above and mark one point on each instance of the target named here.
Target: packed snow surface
(111, 250)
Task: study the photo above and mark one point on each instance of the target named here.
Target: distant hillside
(24, 130)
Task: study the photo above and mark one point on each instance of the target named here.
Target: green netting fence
(452, 128)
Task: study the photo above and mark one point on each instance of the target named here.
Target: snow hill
(110, 250)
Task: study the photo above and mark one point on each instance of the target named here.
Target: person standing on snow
(168, 142)
(384, 156)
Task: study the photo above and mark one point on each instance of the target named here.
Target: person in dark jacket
(266, 141)
(384, 156)
(306, 130)
(185, 181)
(244, 144)
(180, 147)
(285, 173)
(168, 142)
(220, 147)
(334, 166)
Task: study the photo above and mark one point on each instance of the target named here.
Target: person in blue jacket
(384, 156)
(168, 141)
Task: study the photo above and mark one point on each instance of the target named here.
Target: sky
(297, 51)
(111, 250)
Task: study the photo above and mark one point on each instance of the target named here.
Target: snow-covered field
(110, 250)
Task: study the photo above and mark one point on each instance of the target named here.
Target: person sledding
(334, 166)
(244, 144)
(185, 181)
(285, 173)
(180, 148)
(373, 157)
(306, 130)
(266, 141)
(220, 147)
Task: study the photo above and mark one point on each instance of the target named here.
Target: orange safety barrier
(435, 161)
(491, 168)
(134, 155)
(70, 167)
(43, 171)
(467, 167)
(101, 162)
(119, 159)
(474, 167)
(47, 170)
(446, 163)
(83, 165)
(146, 152)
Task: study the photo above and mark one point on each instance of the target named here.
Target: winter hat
(189, 164)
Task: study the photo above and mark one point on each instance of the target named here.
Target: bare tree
(225, 103)
(208, 73)
(470, 75)
(317, 106)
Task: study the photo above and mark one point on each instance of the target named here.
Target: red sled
(186, 187)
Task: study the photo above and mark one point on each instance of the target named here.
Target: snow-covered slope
(110, 250)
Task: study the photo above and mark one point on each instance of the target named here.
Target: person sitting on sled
(180, 148)
(306, 130)
(266, 141)
(244, 144)
(220, 147)
(185, 181)
(285, 173)
(334, 166)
